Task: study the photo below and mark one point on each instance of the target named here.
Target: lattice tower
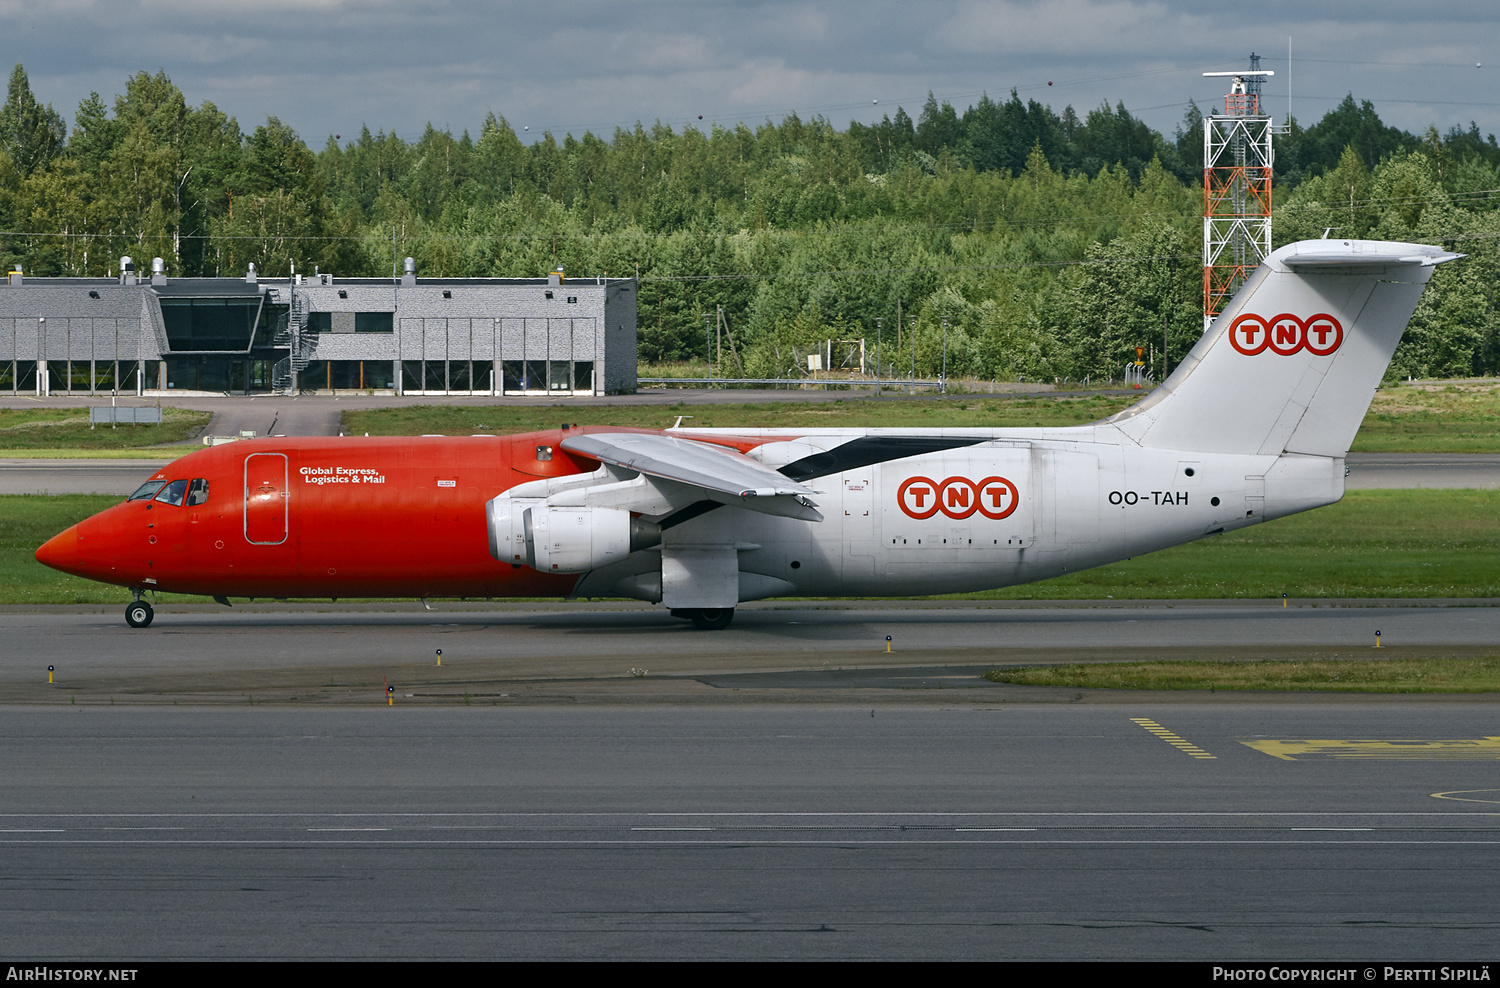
(1237, 158)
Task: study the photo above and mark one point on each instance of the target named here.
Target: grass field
(59, 429)
(1425, 417)
(1433, 417)
(1424, 675)
(1451, 417)
(1391, 543)
(458, 420)
(1395, 543)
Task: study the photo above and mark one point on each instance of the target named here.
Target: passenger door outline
(265, 523)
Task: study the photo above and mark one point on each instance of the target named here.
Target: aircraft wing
(721, 474)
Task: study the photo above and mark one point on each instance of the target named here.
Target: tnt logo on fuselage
(1319, 335)
(958, 497)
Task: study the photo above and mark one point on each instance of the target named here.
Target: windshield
(198, 492)
(147, 490)
(173, 493)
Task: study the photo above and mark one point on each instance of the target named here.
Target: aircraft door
(266, 498)
(859, 503)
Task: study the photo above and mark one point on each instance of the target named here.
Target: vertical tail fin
(1291, 364)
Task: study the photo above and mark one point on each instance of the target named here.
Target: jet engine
(554, 539)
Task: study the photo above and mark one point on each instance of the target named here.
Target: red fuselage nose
(106, 547)
(61, 552)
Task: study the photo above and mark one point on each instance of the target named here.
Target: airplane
(1254, 424)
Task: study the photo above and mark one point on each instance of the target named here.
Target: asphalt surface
(602, 782)
(567, 652)
(768, 832)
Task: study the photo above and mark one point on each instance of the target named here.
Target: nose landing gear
(138, 613)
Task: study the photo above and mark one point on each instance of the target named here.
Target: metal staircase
(291, 332)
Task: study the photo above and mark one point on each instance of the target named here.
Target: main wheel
(139, 614)
(713, 618)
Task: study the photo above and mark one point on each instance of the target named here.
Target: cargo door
(266, 497)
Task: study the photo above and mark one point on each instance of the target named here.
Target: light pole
(943, 387)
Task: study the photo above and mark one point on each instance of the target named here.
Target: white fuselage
(1014, 508)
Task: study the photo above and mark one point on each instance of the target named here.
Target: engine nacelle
(564, 540)
(507, 524)
(576, 540)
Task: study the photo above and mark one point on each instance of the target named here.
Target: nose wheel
(139, 614)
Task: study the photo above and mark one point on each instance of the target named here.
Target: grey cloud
(328, 66)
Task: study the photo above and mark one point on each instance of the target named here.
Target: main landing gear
(706, 618)
(138, 613)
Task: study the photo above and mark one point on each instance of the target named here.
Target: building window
(209, 323)
(320, 322)
(200, 373)
(374, 322)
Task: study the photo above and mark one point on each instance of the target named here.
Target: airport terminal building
(466, 336)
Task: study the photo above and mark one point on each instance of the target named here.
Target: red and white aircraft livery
(1253, 425)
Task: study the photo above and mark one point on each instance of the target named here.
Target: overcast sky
(328, 66)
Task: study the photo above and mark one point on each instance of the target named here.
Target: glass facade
(346, 375)
(210, 323)
(199, 372)
(531, 376)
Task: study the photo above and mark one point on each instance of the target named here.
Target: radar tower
(1237, 160)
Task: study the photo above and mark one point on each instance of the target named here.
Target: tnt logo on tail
(1319, 335)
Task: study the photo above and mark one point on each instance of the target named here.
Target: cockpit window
(173, 493)
(197, 492)
(147, 490)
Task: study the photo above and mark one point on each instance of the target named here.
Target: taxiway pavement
(1045, 832)
(632, 652)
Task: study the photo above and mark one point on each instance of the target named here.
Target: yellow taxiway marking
(1185, 747)
(1456, 749)
(1470, 795)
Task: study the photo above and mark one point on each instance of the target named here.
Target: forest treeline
(1052, 243)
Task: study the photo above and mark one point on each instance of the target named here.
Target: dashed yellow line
(1185, 747)
(1455, 749)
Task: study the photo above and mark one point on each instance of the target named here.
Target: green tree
(31, 134)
